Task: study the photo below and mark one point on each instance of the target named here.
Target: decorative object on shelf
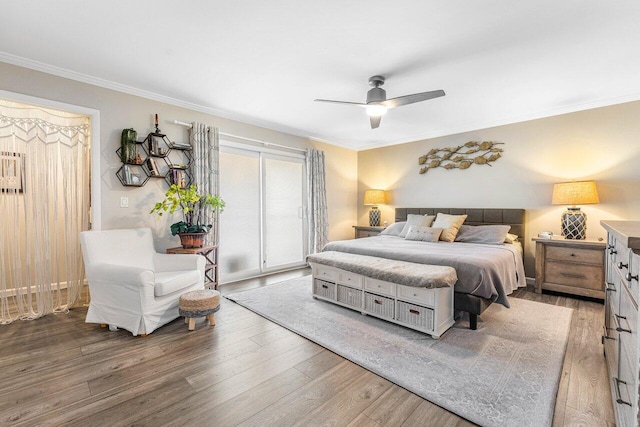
(462, 156)
(574, 221)
(187, 200)
(373, 198)
(128, 146)
(157, 128)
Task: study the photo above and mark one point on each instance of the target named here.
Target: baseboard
(24, 290)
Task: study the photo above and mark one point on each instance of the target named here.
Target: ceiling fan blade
(375, 121)
(410, 99)
(359, 104)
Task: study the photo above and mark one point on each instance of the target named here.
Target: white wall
(119, 110)
(601, 144)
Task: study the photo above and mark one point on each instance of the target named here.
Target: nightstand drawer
(587, 256)
(584, 276)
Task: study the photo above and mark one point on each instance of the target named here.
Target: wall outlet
(124, 202)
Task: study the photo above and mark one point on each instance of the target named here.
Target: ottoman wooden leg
(212, 319)
(192, 323)
(186, 320)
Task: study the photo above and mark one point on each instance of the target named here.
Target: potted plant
(191, 229)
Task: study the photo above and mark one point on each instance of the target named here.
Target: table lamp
(574, 221)
(373, 198)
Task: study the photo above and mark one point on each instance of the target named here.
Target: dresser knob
(629, 277)
(621, 265)
(573, 254)
(612, 251)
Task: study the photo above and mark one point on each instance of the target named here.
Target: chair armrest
(120, 274)
(174, 262)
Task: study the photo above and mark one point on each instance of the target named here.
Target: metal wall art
(461, 157)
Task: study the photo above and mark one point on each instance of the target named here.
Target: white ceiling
(264, 62)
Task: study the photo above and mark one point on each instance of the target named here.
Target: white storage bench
(428, 310)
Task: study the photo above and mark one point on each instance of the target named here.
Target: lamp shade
(575, 193)
(374, 197)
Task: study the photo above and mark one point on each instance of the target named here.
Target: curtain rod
(265, 143)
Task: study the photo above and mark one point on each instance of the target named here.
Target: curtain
(44, 204)
(318, 217)
(205, 168)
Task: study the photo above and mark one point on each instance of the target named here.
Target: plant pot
(192, 240)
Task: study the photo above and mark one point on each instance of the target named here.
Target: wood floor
(245, 371)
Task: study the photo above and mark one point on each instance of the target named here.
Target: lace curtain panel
(44, 201)
(205, 167)
(318, 216)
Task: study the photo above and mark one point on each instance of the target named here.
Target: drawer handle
(412, 311)
(619, 328)
(621, 265)
(573, 254)
(617, 390)
(377, 301)
(577, 276)
(325, 287)
(612, 252)
(629, 277)
(610, 287)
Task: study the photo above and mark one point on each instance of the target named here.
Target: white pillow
(394, 229)
(450, 225)
(416, 221)
(424, 234)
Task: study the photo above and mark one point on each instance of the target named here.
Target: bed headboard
(475, 216)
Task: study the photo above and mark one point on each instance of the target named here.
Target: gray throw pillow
(489, 234)
(424, 234)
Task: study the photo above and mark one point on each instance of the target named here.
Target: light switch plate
(124, 202)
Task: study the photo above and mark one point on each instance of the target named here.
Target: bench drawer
(325, 273)
(379, 305)
(379, 287)
(350, 296)
(419, 295)
(415, 315)
(324, 289)
(348, 278)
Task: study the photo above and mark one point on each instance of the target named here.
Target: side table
(210, 253)
(366, 231)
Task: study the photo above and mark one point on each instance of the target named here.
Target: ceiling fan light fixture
(376, 110)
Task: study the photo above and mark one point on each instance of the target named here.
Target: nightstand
(570, 266)
(366, 231)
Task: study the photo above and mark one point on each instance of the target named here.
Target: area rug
(506, 373)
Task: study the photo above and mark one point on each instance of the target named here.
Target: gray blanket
(486, 271)
(403, 273)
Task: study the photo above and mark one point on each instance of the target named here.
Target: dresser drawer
(415, 315)
(422, 296)
(625, 389)
(350, 279)
(325, 273)
(587, 256)
(578, 275)
(379, 287)
(628, 330)
(634, 275)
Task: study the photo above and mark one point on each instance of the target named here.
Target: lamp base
(374, 217)
(574, 224)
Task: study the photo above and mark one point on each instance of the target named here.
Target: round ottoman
(203, 302)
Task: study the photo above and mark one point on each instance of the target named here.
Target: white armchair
(132, 286)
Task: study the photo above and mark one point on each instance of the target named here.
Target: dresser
(570, 266)
(362, 231)
(620, 338)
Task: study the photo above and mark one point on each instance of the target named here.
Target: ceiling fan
(377, 103)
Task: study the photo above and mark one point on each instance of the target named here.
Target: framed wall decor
(11, 170)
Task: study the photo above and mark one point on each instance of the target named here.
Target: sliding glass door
(262, 229)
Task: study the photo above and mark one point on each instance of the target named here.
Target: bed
(486, 273)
